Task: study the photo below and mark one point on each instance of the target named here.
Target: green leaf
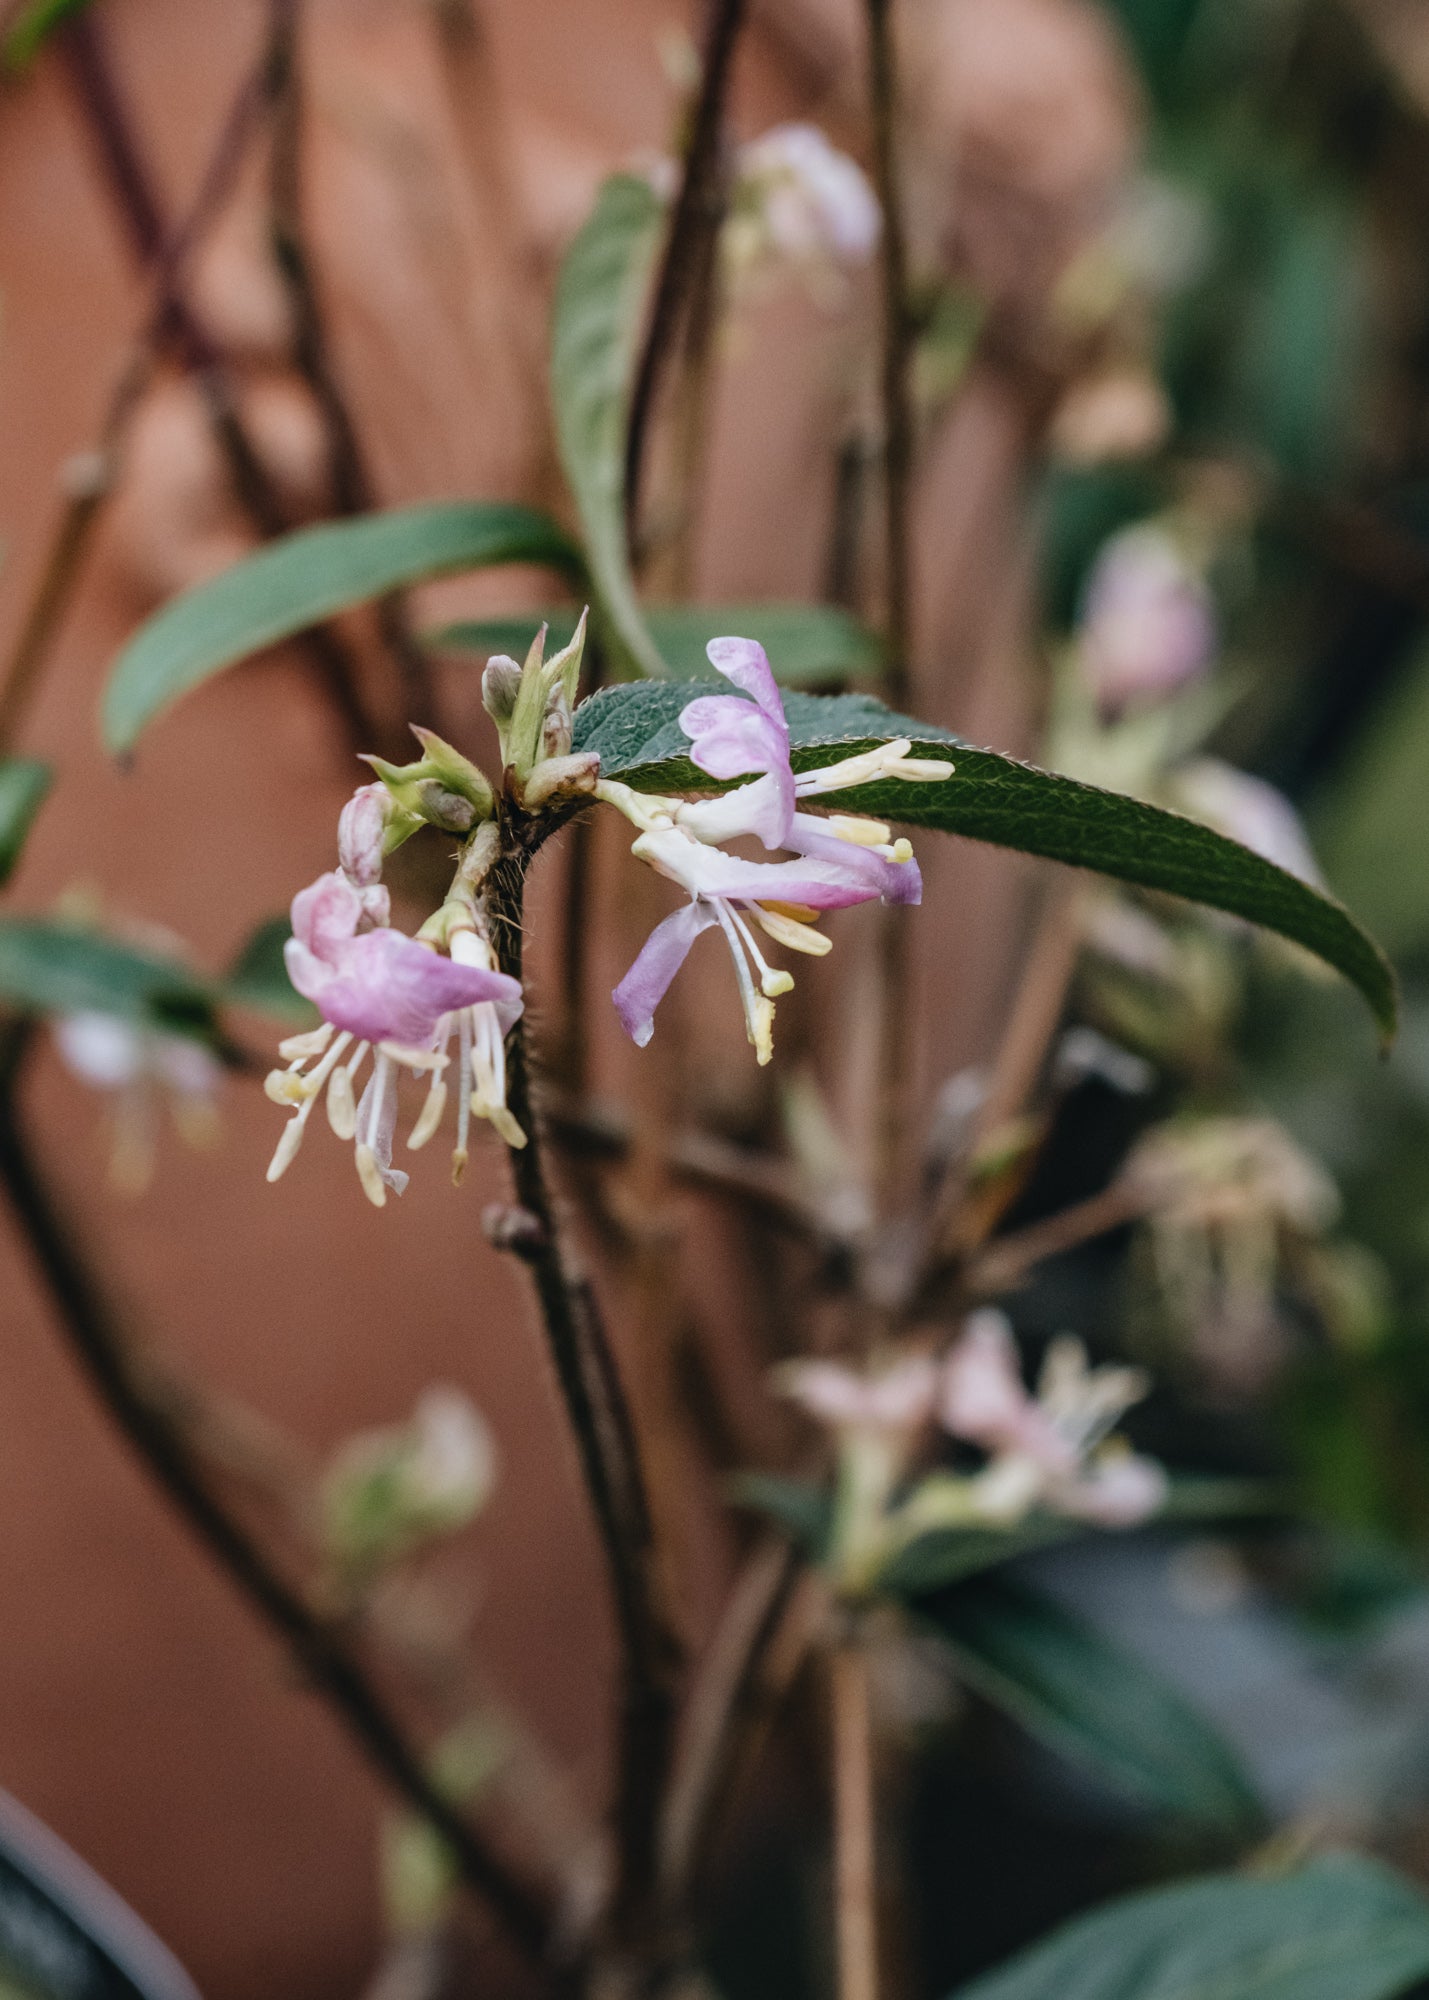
(948, 1555)
(801, 1508)
(23, 785)
(258, 977)
(1009, 804)
(31, 28)
(1066, 1684)
(57, 968)
(1340, 1928)
(599, 297)
(812, 642)
(305, 578)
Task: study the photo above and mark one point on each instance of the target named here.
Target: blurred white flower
(1147, 623)
(1248, 810)
(799, 202)
(143, 1069)
(388, 1491)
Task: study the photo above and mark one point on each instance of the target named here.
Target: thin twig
(898, 337)
(600, 1419)
(694, 220)
(131, 185)
(319, 1647)
(351, 482)
(91, 476)
(855, 1879)
(1007, 1259)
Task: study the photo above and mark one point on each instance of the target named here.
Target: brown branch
(599, 1414)
(131, 185)
(855, 1880)
(898, 339)
(351, 482)
(694, 220)
(319, 1647)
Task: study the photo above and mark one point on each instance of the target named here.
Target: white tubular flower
(144, 1071)
(1054, 1449)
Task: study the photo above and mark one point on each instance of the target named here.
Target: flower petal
(745, 662)
(325, 915)
(385, 987)
(660, 958)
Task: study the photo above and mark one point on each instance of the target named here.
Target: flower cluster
(843, 859)
(1053, 1451)
(395, 997)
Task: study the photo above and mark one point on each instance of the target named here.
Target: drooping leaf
(1009, 804)
(1077, 1691)
(47, 967)
(1340, 1928)
(31, 27)
(810, 642)
(23, 785)
(594, 330)
(258, 977)
(297, 582)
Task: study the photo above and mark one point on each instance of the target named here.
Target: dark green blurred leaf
(594, 330)
(258, 977)
(802, 1509)
(1157, 32)
(996, 799)
(805, 642)
(57, 968)
(947, 1555)
(304, 579)
(1341, 1928)
(32, 25)
(1075, 1690)
(23, 785)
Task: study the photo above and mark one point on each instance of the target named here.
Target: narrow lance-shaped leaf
(599, 296)
(307, 577)
(1340, 1928)
(811, 642)
(1088, 1698)
(1009, 804)
(48, 967)
(23, 785)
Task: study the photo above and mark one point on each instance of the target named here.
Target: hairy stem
(694, 220)
(600, 1419)
(318, 1647)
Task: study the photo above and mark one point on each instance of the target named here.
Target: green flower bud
(442, 787)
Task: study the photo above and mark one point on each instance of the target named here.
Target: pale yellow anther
(409, 1058)
(902, 850)
(761, 1028)
(774, 983)
(922, 770)
(286, 1086)
(287, 1147)
(342, 1105)
(859, 832)
(459, 1160)
(297, 1048)
(788, 930)
(430, 1116)
(370, 1174)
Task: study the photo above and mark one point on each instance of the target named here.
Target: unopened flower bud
(361, 834)
(500, 683)
(555, 776)
(442, 787)
(545, 700)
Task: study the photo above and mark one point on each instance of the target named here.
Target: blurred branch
(352, 489)
(130, 183)
(319, 1647)
(694, 221)
(898, 337)
(851, 1751)
(600, 1419)
(90, 477)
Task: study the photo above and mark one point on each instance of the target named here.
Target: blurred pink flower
(1148, 623)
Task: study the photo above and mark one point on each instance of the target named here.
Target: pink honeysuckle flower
(800, 202)
(897, 1399)
(846, 859)
(404, 1001)
(1053, 1449)
(1249, 810)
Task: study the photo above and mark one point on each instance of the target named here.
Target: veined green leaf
(1340, 1928)
(48, 967)
(1009, 804)
(812, 642)
(594, 329)
(305, 578)
(258, 977)
(1077, 1691)
(23, 785)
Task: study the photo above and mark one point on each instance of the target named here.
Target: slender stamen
(368, 1170)
(463, 1101)
(430, 1116)
(758, 1011)
(787, 930)
(772, 982)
